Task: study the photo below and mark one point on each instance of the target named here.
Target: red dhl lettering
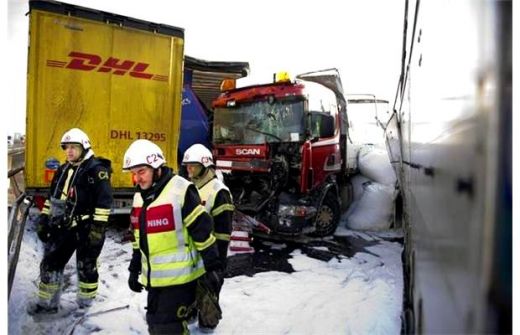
(89, 62)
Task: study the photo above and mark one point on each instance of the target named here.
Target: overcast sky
(362, 38)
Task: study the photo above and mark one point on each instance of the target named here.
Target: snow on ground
(357, 295)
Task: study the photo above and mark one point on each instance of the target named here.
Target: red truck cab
(281, 147)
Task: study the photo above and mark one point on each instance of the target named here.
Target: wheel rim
(325, 217)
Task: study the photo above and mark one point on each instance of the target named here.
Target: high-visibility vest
(208, 194)
(172, 258)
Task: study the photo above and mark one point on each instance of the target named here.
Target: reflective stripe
(194, 215)
(88, 285)
(208, 194)
(101, 214)
(102, 218)
(45, 295)
(179, 191)
(175, 257)
(102, 211)
(222, 208)
(65, 189)
(203, 245)
(222, 237)
(83, 294)
(46, 291)
(49, 286)
(175, 272)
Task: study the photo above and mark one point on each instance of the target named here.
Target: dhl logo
(90, 62)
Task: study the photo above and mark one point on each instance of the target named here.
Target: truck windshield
(259, 122)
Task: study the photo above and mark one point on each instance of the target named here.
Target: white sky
(362, 38)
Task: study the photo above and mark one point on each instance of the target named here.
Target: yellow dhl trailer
(115, 77)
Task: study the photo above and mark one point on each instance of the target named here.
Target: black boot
(37, 309)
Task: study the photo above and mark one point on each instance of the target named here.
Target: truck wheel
(327, 217)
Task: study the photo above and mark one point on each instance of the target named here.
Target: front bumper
(294, 220)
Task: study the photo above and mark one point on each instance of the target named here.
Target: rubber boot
(86, 294)
(49, 293)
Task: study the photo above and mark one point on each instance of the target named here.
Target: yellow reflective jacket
(172, 257)
(208, 194)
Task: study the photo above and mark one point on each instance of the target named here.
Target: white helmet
(143, 152)
(76, 136)
(198, 153)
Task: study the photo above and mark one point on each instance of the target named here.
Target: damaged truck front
(282, 148)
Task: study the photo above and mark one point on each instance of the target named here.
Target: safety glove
(43, 228)
(96, 235)
(209, 309)
(133, 282)
(213, 281)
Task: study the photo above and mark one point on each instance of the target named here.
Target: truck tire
(327, 217)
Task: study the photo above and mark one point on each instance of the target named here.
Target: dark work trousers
(58, 252)
(168, 308)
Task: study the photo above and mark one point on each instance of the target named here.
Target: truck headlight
(301, 211)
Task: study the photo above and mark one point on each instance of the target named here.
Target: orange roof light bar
(227, 85)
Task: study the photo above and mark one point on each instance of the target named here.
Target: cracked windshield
(259, 122)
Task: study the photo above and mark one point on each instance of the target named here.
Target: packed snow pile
(375, 208)
(374, 191)
(373, 163)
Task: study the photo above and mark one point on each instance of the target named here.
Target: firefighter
(73, 218)
(216, 198)
(174, 245)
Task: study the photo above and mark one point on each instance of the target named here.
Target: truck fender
(324, 225)
(328, 186)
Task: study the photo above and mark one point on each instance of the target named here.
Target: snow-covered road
(361, 294)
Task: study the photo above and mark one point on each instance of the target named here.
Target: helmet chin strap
(200, 175)
(202, 172)
(81, 157)
(156, 174)
(204, 177)
(83, 154)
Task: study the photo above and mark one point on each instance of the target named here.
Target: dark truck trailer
(202, 80)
